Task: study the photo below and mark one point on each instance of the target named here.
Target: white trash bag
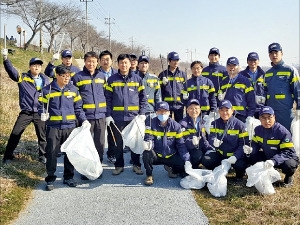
(262, 178)
(295, 130)
(218, 186)
(208, 119)
(196, 179)
(82, 153)
(133, 135)
(251, 123)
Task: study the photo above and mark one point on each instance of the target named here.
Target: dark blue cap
(274, 47)
(192, 101)
(34, 61)
(143, 58)
(66, 53)
(162, 105)
(225, 103)
(214, 50)
(252, 56)
(266, 110)
(232, 61)
(173, 56)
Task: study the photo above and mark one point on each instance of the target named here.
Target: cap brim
(36, 62)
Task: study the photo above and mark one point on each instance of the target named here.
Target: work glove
(185, 96)
(213, 115)
(221, 96)
(268, 164)
(297, 114)
(142, 117)
(44, 116)
(248, 119)
(147, 145)
(247, 149)
(55, 57)
(109, 120)
(165, 80)
(260, 99)
(195, 141)
(217, 142)
(86, 124)
(232, 159)
(4, 52)
(187, 165)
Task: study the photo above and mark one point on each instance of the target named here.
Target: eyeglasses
(266, 118)
(64, 75)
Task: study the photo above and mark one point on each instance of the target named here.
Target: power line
(109, 22)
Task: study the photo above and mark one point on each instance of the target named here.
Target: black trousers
(178, 114)
(196, 156)
(213, 159)
(23, 120)
(150, 158)
(98, 131)
(55, 138)
(115, 143)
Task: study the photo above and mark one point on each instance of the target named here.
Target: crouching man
(164, 144)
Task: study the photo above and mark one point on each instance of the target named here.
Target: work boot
(137, 170)
(117, 171)
(288, 181)
(149, 180)
(71, 182)
(170, 172)
(49, 186)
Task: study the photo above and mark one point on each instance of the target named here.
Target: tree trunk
(30, 39)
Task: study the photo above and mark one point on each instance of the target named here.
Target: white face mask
(163, 117)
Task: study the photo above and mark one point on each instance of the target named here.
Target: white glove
(212, 115)
(195, 141)
(4, 52)
(268, 164)
(86, 124)
(109, 120)
(205, 117)
(232, 159)
(147, 145)
(217, 142)
(260, 99)
(165, 80)
(142, 117)
(185, 96)
(221, 96)
(247, 149)
(55, 57)
(297, 114)
(248, 119)
(44, 116)
(187, 165)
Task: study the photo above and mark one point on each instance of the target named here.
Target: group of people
(103, 98)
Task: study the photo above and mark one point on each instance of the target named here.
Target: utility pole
(41, 27)
(132, 41)
(109, 22)
(86, 23)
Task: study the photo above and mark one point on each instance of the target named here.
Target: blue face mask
(163, 117)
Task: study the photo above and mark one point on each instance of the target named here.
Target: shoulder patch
(287, 140)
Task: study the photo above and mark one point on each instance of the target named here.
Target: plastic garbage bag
(208, 120)
(133, 135)
(196, 179)
(82, 153)
(218, 186)
(295, 130)
(251, 123)
(262, 178)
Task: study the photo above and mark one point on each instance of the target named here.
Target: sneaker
(126, 149)
(49, 186)
(117, 171)
(137, 170)
(83, 177)
(71, 182)
(149, 180)
(288, 181)
(111, 159)
(170, 172)
(42, 159)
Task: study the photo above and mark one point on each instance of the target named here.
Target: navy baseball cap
(34, 61)
(143, 58)
(66, 53)
(173, 56)
(192, 101)
(214, 51)
(225, 103)
(252, 56)
(274, 47)
(232, 61)
(266, 110)
(162, 105)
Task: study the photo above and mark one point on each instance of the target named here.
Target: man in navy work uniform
(91, 85)
(30, 85)
(194, 133)
(164, 144)
(214, 71)
(65, 106)
(256, 76)
(66, 59)
(238, 90)
(227, 135)
(273, 144)
(125, 99)
(282, 87)
(172, 86)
